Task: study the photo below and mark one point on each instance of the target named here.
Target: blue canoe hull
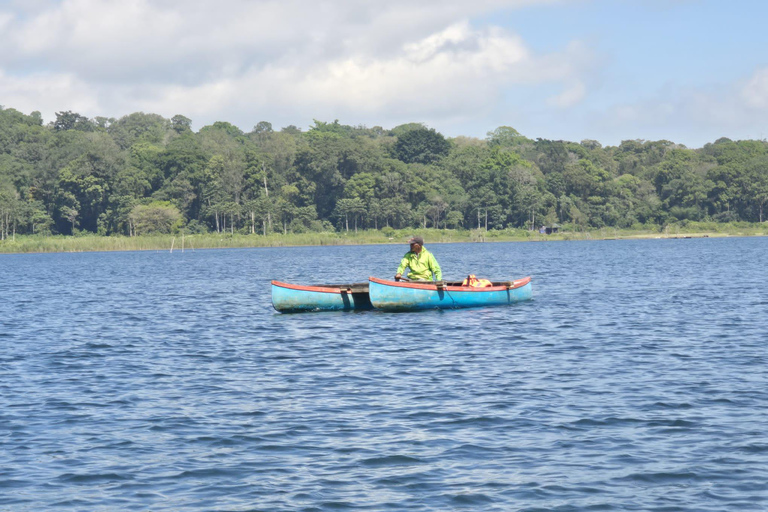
(292, 298)
(408, 296)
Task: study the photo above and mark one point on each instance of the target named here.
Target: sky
(688, 71)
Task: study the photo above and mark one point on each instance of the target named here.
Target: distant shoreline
(94, 243)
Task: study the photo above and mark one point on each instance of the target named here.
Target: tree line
(144, 174)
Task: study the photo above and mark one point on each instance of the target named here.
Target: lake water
(637, 379)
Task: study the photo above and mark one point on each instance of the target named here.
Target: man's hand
(398, 276)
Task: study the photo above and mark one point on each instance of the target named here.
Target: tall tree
(421, 145)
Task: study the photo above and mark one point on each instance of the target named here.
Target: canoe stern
(291, 298)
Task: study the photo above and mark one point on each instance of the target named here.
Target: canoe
(395, 295)
(292, 298)
(406, 296)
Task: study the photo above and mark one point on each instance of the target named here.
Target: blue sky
(653, 52)
(689, 71)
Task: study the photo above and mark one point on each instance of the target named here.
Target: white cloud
(693, 115)
(5, 21)
(88, 34)
(47, 93)
(245, 60)
(755, 91)
(572, 95)
(456, 72)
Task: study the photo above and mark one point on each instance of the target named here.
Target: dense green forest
(143, 174)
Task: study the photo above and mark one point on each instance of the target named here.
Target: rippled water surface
(635, 380)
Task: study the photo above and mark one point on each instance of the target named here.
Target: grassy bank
(30, 244)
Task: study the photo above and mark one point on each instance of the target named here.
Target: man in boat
(423, 266)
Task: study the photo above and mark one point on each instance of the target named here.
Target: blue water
(636, 379)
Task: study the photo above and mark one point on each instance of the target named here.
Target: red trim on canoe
(303, 288)
(424, 286)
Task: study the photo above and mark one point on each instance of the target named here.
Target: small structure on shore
(548, 230)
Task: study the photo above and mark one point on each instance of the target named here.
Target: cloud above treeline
(284, 61)
(449, 64)
(716, 111)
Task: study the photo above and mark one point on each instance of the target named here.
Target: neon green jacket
(422, 265)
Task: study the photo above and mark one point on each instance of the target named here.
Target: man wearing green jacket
(423, 265)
